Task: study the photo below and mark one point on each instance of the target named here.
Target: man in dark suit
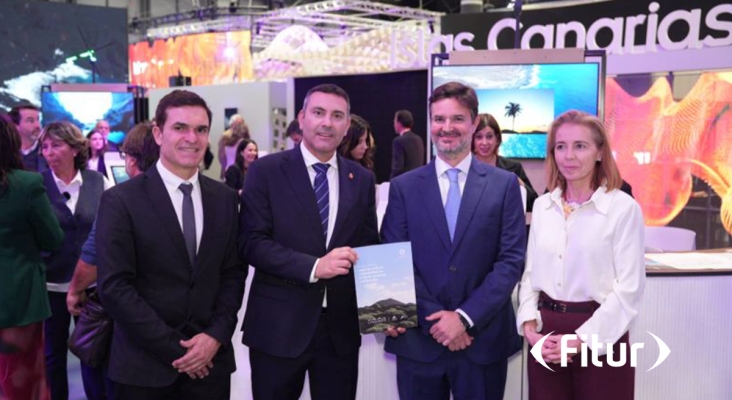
(169, 272)
(465, 221)
(27, 121)
(302, 211)
(407, 149)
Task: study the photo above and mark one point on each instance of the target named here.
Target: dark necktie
(189, 221)
(322, 195)
(452, 205)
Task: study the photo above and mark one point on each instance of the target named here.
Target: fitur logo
(595, 344)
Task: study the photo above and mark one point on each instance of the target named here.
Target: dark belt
(560, 307)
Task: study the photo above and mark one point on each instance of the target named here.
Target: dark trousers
(56, 331)
(184, 388)
(22, 369)
(331, 375)
(451, 372)
(575, 382)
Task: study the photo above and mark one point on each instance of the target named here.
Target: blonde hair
(71, 135)
(606, 171)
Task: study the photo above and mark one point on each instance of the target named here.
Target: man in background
(407, 149)
(103, 127)
(294, 132)
(27, 120)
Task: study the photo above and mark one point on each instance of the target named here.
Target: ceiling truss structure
(335, 21)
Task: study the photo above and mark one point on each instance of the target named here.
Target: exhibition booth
(658, 73)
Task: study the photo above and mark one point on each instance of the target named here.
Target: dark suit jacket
(34, 160)
(148, 286)
(234, 177)
(407, 153)
(476, 272)
(27, 226)
(516, 168)
(282, 236)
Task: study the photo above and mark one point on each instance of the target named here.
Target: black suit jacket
(407, 153)
(518, 169)
(234, 177)
(151, 290)
(282, 237)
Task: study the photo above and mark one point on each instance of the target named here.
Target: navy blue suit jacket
(282, 236)
(476, 272)
(151, 290)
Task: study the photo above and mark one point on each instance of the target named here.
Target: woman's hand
(530, 333)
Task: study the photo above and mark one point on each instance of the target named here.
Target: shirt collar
(30, 149)
(310, 159)
(463, 166)
(172, 180)
(601, 199)
(76, 179)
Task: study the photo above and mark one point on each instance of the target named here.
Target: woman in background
(97, 148)
(238, 130)
(486, 141)
(74, 192)
(357, 145)
(246, 152)
(27, 227)
(585, 271)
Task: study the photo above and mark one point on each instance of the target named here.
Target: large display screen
(84, 109)
(526, 98)
(56, 42)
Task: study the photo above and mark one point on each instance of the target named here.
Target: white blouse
(597, 253)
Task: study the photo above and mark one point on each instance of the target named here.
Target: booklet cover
(385, 287)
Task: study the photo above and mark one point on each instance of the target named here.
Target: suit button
(453, 268)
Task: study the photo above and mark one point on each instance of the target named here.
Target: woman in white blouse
(585, 271)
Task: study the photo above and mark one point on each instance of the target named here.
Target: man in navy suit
(302, 212)
(466, 223)
(169, 272)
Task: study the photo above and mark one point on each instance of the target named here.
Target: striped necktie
(322, 194)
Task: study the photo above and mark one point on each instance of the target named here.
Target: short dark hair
(328, 88)
(140, 143)
(405, 118)
(71, 135)
(10, 158)
(464, 94)
(239, 160)
(293, 128)
(179, 98)
(487, 121)
(14, 113)
(359, 126)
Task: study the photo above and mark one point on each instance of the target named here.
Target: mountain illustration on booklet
(384, 277)
(386, 313)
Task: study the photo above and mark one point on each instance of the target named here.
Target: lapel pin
(350, 175)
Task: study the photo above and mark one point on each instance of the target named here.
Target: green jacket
(27, 227)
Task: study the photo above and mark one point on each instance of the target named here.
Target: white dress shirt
(596, 253)
(93, 163)
(172, 182)
(444, 182)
